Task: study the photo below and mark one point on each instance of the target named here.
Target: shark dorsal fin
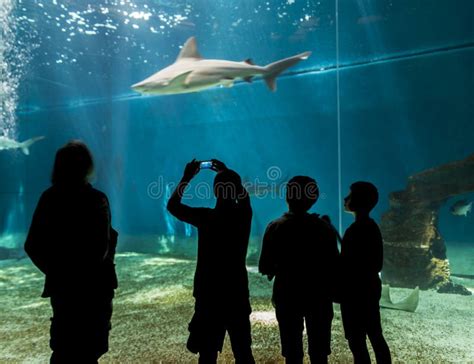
(189, 50)
(249, 61)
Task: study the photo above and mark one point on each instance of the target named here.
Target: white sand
(154, 304)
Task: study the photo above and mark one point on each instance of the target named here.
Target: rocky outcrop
(414, 251)
(455, 288)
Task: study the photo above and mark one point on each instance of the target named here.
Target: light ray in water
(187, 229)
(15, 221)
(60, 84)
(169, 220)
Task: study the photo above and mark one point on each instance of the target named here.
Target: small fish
(461, 208)
(7, 143)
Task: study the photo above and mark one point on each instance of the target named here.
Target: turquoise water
(387, 92)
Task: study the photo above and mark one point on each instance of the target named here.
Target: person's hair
(227, 185)
(73, 164)
(301, 193)
(364, 196)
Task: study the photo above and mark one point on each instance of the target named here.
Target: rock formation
(414, 251)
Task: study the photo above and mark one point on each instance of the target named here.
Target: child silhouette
(361, 262)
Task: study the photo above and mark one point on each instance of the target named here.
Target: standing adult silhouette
(72, 242)
(220, 281)
(300, 250)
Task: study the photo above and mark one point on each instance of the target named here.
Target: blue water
(388, 92)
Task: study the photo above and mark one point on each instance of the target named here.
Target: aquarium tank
(386, 95)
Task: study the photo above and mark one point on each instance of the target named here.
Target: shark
(7, 143)
(192, 73)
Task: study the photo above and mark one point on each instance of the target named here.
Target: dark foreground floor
(154, 303)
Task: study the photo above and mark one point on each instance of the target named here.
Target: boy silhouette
(361, 262)
(300, 250)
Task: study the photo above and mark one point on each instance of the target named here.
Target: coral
(450, 287)
(414, 250)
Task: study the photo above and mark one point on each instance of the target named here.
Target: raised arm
(185, 213)
(243, 197)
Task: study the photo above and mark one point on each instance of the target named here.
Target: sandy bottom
(461, 257)
(154, 304)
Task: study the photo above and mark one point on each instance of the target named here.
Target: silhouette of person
(220, 281)
(71, 241)
(300, 250)
(361, 262)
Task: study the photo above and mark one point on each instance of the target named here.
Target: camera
(205, 165)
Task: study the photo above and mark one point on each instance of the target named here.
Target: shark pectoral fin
(227, 82)
(180, 79)
(193, 77)
(205, 78)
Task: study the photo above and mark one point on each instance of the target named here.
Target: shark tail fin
(27, 144)
(273, 70)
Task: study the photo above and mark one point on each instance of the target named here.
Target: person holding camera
(220, 282)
